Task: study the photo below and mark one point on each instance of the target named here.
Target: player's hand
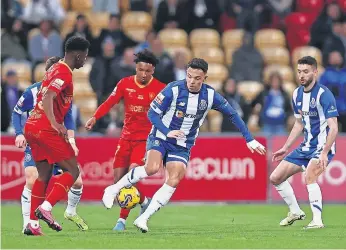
(256, 146)
(90, 123)
(323, 161)
(20, 141)
(177, 134)
(60, 128)
(279, 155)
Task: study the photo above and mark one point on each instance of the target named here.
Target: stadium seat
(217, 85)
(81, 5)
(297, 38)
(270, 38)
(215, 119)
(82, 73)
(174, 38)
(285, 71)
(173, 50)
(136, 34)
(82, 87)
(298, 21)
(276, 55)
(69, 20)
(39, 72)
(211, 55)
(229, 55)
(342, 4)
(314, 6)
(204, 38)
(136, 20)
(249, 89)
(33, 33)
(232, 39)
(97, 20)
(289, 87)
(306, 51)
(217, 73)
(86, 101)
(23, 70)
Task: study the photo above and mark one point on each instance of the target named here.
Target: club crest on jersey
(202, 105)
(156, 143)
(151, 96)
(27, 157)
(159, 98)
(313, 103)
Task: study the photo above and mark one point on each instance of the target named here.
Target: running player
(24, 106)
(138, 91)
(177, 114)
(316, 114)
(47, 136)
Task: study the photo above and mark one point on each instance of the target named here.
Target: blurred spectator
(180, 63)
(14, 42)
(77, 117)
(237, 102)
(336, 41)
(114, 32)
(10, 94)
(116, 122)
(81, 28)
(200, 14)
(168, 14)
(281, 7)
(149, 38)
(46, 44)
(164, 71)
(123, 67)
(38, 10)
(273, 105)
(140, 5)
(10, 10)
(247, 61)
(250, 14)
(322, 27)
(110, 6)
(334, 77)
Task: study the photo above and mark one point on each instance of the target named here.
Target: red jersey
(59, 79)
(137, 99)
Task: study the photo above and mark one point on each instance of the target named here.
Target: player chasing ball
(25, 105)
(138, 92)
(316, 114)
(177, 113)
(47, 136)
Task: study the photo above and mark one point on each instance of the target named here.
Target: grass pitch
(178, 226)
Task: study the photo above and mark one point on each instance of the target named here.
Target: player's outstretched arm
(71, 127)
(295, 133)
(221, 104)
(333, 132)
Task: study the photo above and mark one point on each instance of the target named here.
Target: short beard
(308, 83)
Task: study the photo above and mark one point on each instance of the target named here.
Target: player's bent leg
(31, 175)
(124, 213)
(152, 166)
(279, 179)
(73, 198)
(313, 171)
(175, 173)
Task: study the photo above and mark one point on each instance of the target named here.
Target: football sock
(124, 213)
(74, 196)
(286, 191)
(37, 197)
(26, 202)
(315, 197)
(60, 188)
(131, 178)
(160, 198)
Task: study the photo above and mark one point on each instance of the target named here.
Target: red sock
(124, 213)
(60, 188)
(38, 194)
(141, 196)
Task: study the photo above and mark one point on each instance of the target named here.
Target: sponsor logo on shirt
(308, 113)
(332, 109)
(57, 83)
(138, 109)
(140, 97)
(180, 114)
(20, 101)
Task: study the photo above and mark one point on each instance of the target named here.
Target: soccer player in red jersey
(138, 91)
(47, 136)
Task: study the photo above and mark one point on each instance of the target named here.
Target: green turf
(176, 226)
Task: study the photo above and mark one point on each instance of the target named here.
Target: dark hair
(111, 16)
(198, 63)
(76, 43)
(147, 57)
(51, 61)
(309, 60)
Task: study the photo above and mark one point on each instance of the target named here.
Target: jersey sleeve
(162, 101)
(114, 98)
(25, 102)
(222, 105)
(329, 105)
(60, 82)
(294, 104)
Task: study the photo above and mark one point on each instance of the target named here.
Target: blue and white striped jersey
(182, 110)
(314, 107)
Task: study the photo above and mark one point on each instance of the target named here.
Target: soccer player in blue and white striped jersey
(316, 114)
(177, 113)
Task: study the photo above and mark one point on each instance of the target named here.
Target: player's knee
(173, 180)
(152, 169)
(75, 172)
(30, 181)
(275, 179)
(30, 176)
(78, 183)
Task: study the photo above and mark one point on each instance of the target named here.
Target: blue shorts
(29, 161)
(302, 158)
(169, 151)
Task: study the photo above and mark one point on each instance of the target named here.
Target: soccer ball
(128, 197)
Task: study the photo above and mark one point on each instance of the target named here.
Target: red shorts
(47, 145)
(129, 152)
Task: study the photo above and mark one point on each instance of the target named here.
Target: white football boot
(291, 218)
(314, 225)
(141, 224)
